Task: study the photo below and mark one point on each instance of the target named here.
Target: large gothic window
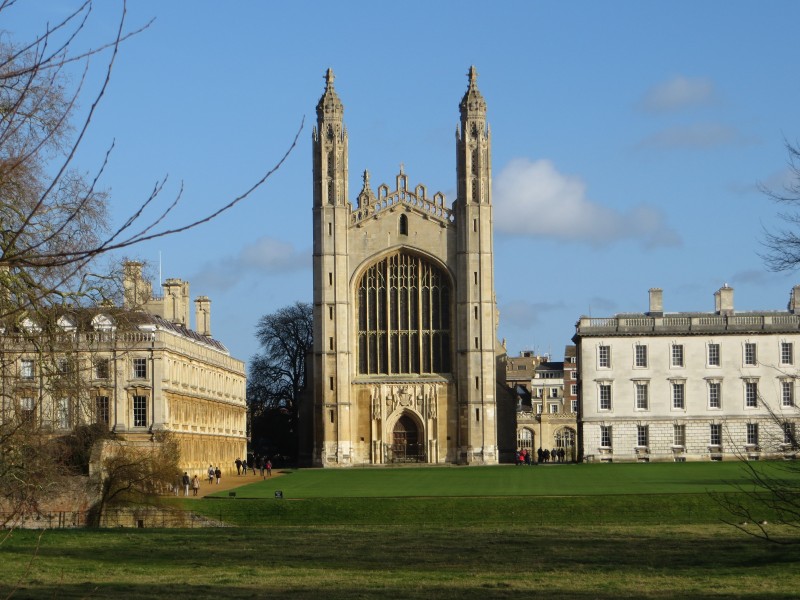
(403, 317)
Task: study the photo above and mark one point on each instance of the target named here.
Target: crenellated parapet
(371, 205)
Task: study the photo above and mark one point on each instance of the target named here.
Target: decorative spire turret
(472, 104)
(329, 106)
(366, 196)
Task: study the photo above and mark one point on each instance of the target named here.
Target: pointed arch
(403, 225)
(408, 439)
(404, 316)
(526, 439)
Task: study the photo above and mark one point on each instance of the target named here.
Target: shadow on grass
(396, 561)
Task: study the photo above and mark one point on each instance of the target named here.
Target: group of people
(556, 455)
(263, 465)
(187, 483)
(214, 473)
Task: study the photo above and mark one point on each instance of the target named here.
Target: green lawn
(588, 531)
(553, 480)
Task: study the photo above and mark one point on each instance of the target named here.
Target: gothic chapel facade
(403, 366)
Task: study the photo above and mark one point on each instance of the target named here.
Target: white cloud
(265, 257)
(533, 198)
(678, 93)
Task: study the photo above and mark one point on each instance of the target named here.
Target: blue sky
(628, 141)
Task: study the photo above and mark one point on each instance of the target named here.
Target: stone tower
(475, 310)
(403, 362)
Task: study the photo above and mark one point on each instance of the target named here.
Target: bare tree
(135, 475)
(783, 244)
(55, 229)
(278, 373)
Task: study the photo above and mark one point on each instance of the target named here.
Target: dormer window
(30, 326)
(103, 322)
(66, 323)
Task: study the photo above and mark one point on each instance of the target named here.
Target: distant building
(138, 369)
(550, 420)
(689, 386)
(521, 369)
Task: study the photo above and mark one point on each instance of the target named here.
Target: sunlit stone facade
(403, 366)
(137, 369)
(689, 386)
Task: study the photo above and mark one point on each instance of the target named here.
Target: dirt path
(231, 482)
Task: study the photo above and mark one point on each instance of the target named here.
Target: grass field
(552, 480)
(472, 533)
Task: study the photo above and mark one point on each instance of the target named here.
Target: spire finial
(365, 178)
(329, 105)
(472, 101)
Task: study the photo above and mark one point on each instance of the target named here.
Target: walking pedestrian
(195, 485)
(269, 468)
(218, 474)
(186, 482)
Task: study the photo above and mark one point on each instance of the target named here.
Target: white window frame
(675, 387)
(640, 356)
(715, 434)
(642, 436)
(677, 357)
(603, 356)
(752, 434)
(679, 435)
(751, 393)
(102, 409)
(574, 406)
(139, 404)
(27, 368)
(606, 436)
(641, 395)
(714, 383)
(787, 353)
(601, 400)
(787, 393)
(139, 365)
(750, 354)
(713, 355)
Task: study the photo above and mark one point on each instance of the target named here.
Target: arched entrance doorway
(406, 446)
(565, 438)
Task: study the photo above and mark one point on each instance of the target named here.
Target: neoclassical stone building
(689, 386)
(137, 369)
(403, 365)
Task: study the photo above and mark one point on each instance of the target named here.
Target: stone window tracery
(403, 307)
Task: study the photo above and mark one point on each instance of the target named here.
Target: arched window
(525, 439)
(403, 225)
(403, 307)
